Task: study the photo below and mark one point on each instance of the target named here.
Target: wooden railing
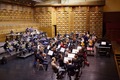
(116, 51)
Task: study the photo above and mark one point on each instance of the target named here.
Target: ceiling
(47, 1)
(43, 0)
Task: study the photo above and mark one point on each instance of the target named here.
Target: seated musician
(22, 48)
(15, 45)
(61, 61)
(70, 69)
(82, 55)
(54, 65)
(28, 46)
(68, 51)
(75, 62)
(55, 53)
(65, 35)
(56, 68)
(94, 38)
(58, 35)
(78, 64)
(62, 45)
(90, 45)
(82, 42)
(90, 42)
(77, 34)
(7, 47)
(43, 60)
(36, 55)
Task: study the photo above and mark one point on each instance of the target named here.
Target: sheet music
(66, 59)
(50, 52)
(58, 47)
(48, 47)
(75, 51)
(71, 55)
(79, 48)
(68, 44)
(62, 50)
(38, 47)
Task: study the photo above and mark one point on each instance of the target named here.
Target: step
(118, 60)
(118, 63)
(117, 57)
(8, 56)
(26, 55)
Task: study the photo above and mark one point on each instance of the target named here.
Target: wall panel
(71, 19)
(112, 25)
(43, 16)
(16, 18)
(15, 13)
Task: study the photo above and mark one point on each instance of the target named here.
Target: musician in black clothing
(61, 61)
(6, 47)
(77, 64)
(70, 69)
(43, 60)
